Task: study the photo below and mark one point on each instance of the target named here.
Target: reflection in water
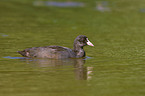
(3, 35)
(58, 4)
(81, 72)
(102, 6)
(142, 10)
(16, 57)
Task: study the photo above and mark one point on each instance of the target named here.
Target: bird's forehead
(83, 37)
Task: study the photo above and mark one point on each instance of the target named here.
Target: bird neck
(79, 51)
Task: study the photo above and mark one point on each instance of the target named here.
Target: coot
(59, 52)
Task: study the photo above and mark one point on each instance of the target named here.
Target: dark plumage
(59, 52)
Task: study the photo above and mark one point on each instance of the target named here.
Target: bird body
(59, 52)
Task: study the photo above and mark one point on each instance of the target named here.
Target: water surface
(114, 67)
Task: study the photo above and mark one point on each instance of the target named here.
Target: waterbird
(59, 52)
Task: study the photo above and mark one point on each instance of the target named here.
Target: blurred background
(114, 67)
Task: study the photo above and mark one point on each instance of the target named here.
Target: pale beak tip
(89, 43)
(92, 45)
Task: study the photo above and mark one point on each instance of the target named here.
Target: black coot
(59, 52)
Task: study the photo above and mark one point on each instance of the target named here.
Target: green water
(114, 67)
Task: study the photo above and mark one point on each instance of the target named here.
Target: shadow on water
(81, 72)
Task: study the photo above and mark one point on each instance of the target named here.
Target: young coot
(59, 52)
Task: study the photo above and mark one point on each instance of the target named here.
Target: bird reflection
(81, 72)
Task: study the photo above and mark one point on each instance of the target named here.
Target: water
(3, 35)
(58, 4)
(113, 67)
(102, 6)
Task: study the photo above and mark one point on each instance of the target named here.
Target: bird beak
(89, 43)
